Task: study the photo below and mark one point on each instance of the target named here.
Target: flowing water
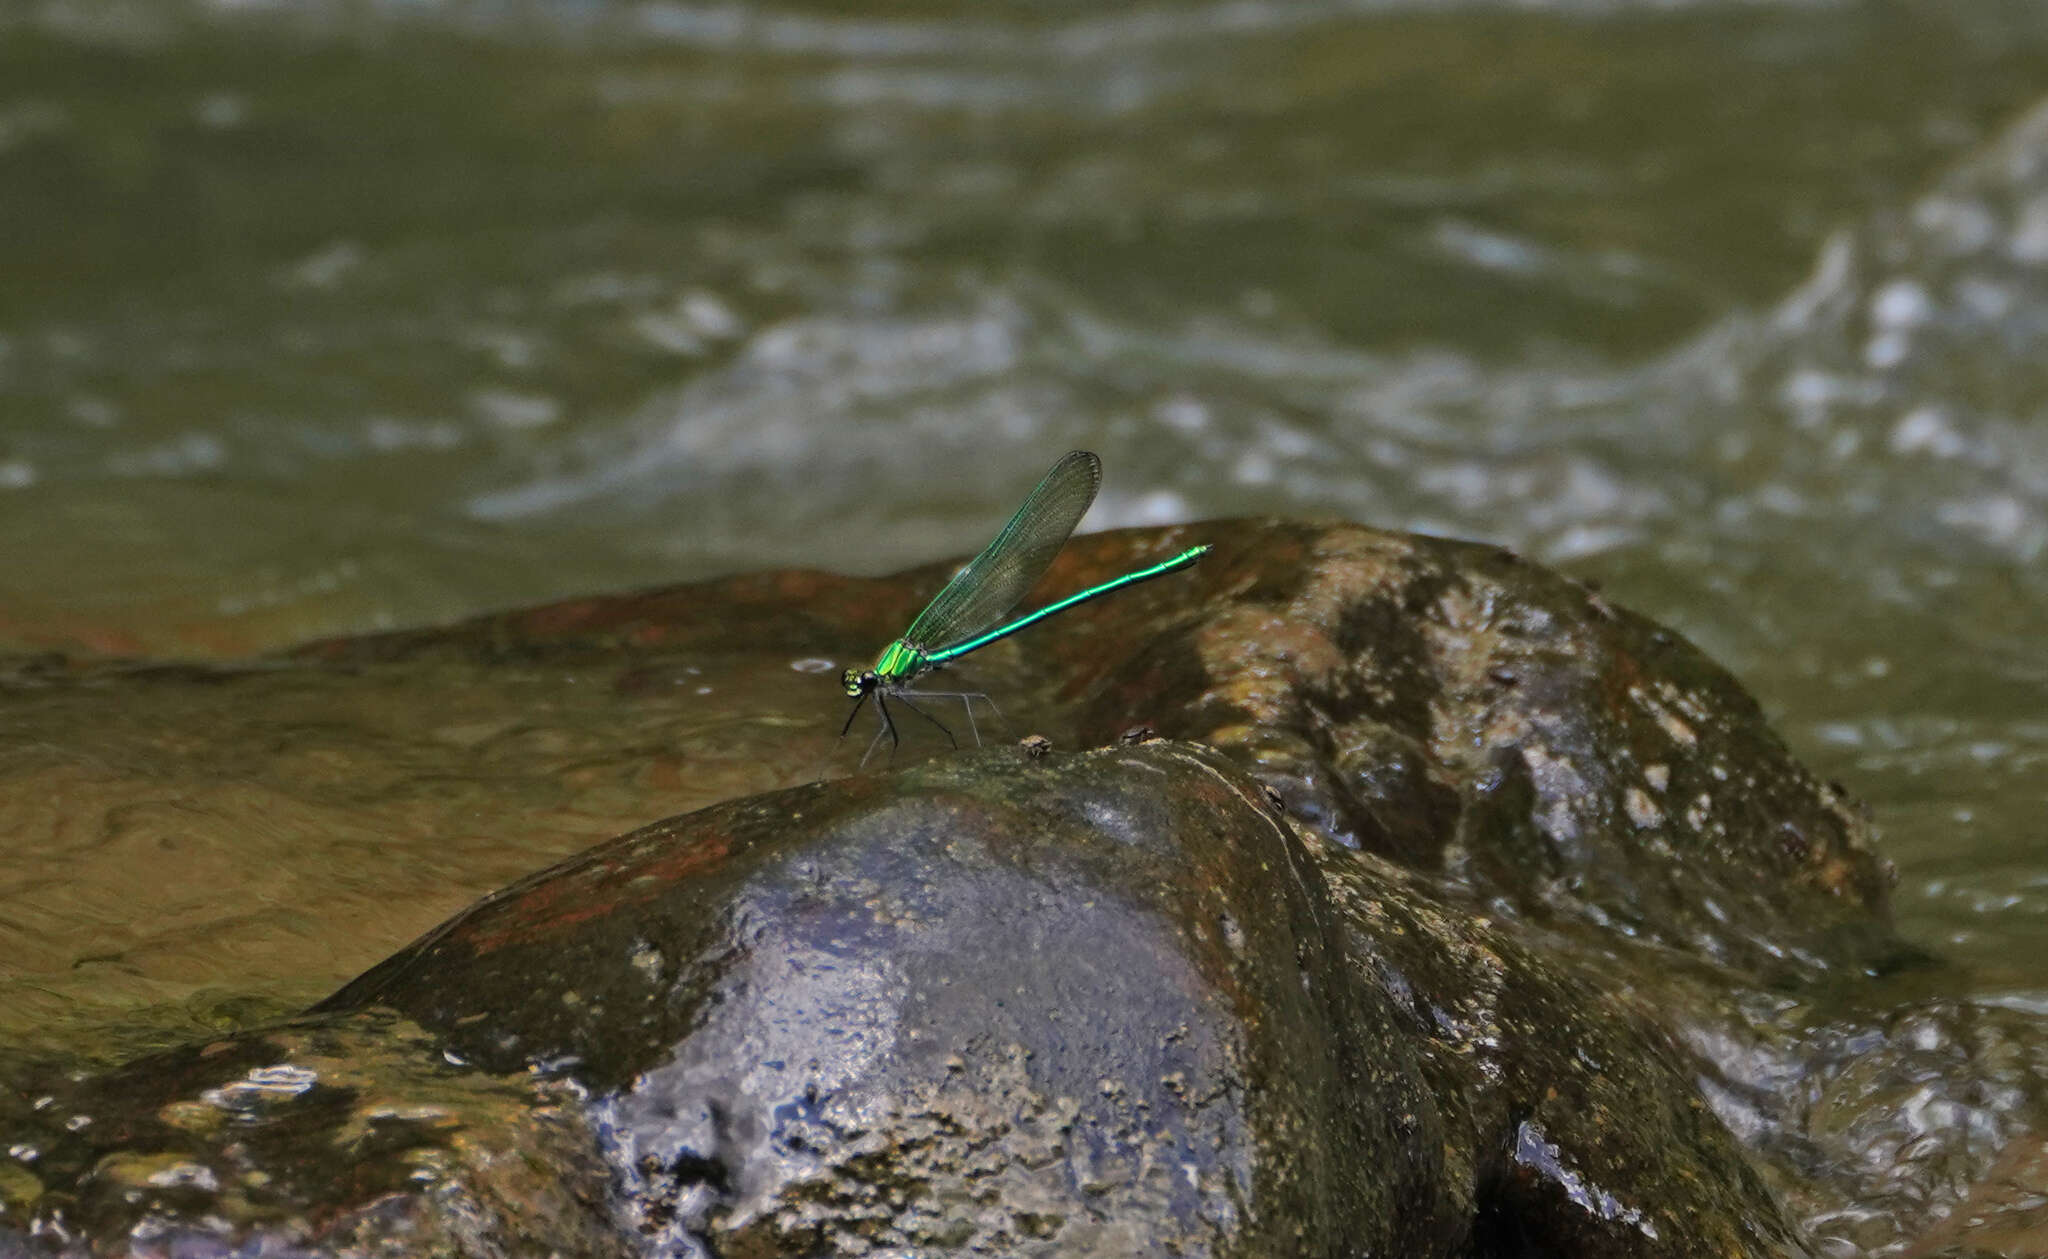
(329, 317)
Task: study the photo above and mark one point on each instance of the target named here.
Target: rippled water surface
(324, 318)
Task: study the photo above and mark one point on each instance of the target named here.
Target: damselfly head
(858, 682)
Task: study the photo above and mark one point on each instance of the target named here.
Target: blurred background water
(327, 317)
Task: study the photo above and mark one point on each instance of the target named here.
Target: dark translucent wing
(998, 579)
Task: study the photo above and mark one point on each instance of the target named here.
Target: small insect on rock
(967, 614)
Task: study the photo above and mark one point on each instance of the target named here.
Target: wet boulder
(993, 1005)
(1463, 712)
(1421, 935)
(1108, 1003)
(1444, 704)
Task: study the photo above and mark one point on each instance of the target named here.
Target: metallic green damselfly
(963, 616)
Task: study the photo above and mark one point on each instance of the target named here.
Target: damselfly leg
(966, 699)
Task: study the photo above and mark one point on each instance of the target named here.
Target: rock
(1441, 703)
(1074, 1007)
(1458, 710)
(1407, 898)
(345, 1136)
(1097, 1004)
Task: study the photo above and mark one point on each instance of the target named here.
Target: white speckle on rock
(1678, 730)
(185, 1175)
(1642, 810)
(1699, 812)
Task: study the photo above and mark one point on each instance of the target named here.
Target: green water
(373, 315)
